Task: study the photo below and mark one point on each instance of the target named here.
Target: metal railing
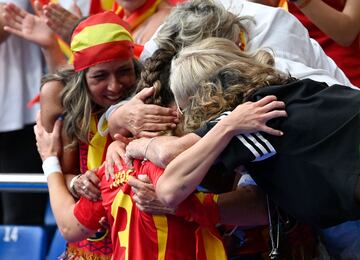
(23, 182)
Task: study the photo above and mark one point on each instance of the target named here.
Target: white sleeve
(102, 124)
(149, 48)
(286, 38)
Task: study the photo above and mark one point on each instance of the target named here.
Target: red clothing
(99, 245)
(152, 236)
(347, 58)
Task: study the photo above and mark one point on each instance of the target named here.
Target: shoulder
(50, 103)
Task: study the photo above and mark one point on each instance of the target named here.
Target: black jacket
(310, 172)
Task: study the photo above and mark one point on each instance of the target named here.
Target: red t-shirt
(347, 58)
(142, 236)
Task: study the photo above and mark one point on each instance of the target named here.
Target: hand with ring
(87, 185)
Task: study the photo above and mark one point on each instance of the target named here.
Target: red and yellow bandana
(101, 38)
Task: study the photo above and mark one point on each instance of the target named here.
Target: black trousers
(18, 154)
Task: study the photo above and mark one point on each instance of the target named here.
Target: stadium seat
(22, 242)
(57, 246)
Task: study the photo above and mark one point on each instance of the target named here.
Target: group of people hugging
(222, 125)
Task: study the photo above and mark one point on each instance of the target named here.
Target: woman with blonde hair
(311, 171)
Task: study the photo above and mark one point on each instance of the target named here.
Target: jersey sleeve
(201, 208)
(243, 148)
(82, 209)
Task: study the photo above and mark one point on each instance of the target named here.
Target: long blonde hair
(78, 108)
(214, 75)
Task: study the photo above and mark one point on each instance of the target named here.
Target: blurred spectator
(20, 70)
(142, 16)
(335, 24)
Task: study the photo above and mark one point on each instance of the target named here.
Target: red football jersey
(139, 235)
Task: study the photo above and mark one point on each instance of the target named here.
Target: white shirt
(84, 5)
(20, 74)
(286, 38)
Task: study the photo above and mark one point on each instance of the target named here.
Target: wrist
(72, 186)
(227, 129)
(51, 165)
(147, 147)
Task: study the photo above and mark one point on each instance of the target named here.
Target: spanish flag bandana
(101, 38)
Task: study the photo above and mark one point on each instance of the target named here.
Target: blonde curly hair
(214, 76)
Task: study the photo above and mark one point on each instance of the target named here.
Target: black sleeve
(243, 148)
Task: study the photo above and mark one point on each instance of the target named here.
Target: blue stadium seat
(22, 242)
(57, 246)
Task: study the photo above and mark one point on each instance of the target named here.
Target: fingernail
(61, 117)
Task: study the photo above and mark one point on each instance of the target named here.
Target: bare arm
(162, 149)
(62, 202)
(34, 29)
(187, 170)
(245, 207)
(343, 27)
(51, 109)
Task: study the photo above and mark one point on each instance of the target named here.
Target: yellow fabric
(145, 15)
(97, 145)
(107, 5)
(162, 233)
(283, 4)
(123, 201)
(214, 247)
(94, 35)
(242, 40)
(201, 196)
(65, 48)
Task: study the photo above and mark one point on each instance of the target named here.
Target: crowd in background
(192, 129)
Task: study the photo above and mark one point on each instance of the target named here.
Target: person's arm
(51, 108)
(187, 170)
(61, 21)
(33, 28)
(50, 111)
(62, 202)
(343, 27)
(245, 207)
(160, 150)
